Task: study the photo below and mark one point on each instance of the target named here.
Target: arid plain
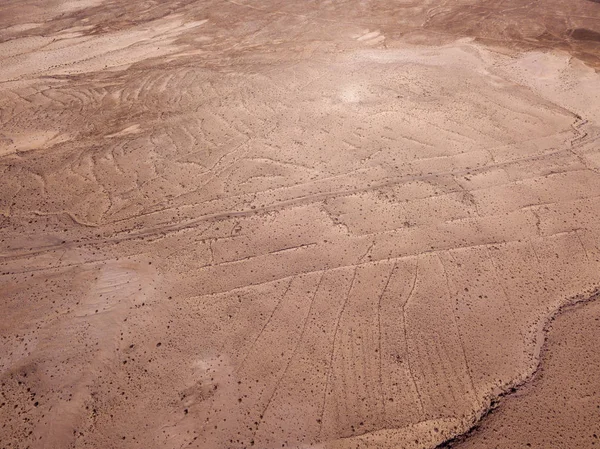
(315, 224)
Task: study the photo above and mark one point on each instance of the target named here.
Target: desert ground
(559, 407)
(353, 224)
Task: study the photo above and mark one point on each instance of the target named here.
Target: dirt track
(324, 225)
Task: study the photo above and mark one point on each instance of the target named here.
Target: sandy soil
(326, 225)
(559, 407)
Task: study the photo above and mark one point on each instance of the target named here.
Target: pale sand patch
(32, 140)
(82, 54)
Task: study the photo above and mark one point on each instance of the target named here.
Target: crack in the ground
(494, 402)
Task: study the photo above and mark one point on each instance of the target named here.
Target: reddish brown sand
(329, 225)
(560, 407)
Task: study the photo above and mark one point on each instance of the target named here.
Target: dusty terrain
(560, 406)
(332, 225)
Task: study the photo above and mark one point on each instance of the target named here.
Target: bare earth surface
(560, 407)
(328, 225)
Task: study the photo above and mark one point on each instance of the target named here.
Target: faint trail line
(335, 333)
(243, 5)
(534, 251)
(582, 245)
(266, 323)
(513, 386)
(277, 251)
(367, 252)
(379, 333)
(506, 300)
(126, 235)
(289, 362)
(492, 244)
(460, 338)
(410, 370)
(68, 214)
